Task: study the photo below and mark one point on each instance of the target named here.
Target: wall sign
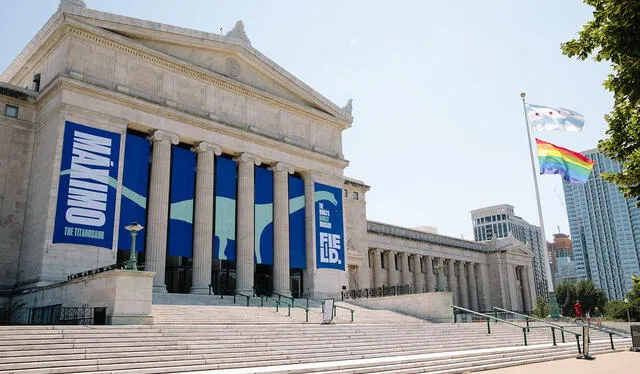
(329, 227)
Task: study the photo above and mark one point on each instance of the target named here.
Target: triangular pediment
(231, 58)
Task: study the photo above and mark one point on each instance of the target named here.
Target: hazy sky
(439, 126)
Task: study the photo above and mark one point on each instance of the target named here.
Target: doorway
(296, 283)
(263, 280)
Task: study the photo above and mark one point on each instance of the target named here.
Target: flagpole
(553, 304)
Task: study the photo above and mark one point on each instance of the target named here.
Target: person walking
(597, 314)
(577, 308)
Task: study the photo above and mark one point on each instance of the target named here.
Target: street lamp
(626, 301)
(133, 228)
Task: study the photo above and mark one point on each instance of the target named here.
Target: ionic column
(462, 284)
(377, 267)
(245, 226)
(431, 277)
(158, 216)
(452, 281)
(281, 275)
(203, 218)
(404, 269)
(418, 275)
(391, 269)
(473, 290)
(526, 289)
(310, 236)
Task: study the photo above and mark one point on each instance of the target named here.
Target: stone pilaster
(281, 274)
(418, 275)
(484, 292)
(526, 289)
(473, 289)
(452, 286)
(378, 280)
(404, 269)
(462, 284)
(245, 222)
(158, 216)
(203, 218)
(431, 277)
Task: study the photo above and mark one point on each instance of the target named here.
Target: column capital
(160, 135)
(248, 157)
(207, 147)
(282, 166)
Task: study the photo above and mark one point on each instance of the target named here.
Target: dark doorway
(178, 273)
(263, 280)
(296, 283)
(223, 277)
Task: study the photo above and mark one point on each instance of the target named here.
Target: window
(11, 111)
(422, 265)
(409, 267)
(346, 193)
(355, 195)
(395, 259)
(383, 265)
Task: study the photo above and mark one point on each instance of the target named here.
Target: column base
(199, 291)
(159, 288)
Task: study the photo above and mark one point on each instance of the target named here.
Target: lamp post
(133, 228)
(626, 301)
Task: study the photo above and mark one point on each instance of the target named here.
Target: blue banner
(224, 246)
(135, 183)
(297, 240)
(329, 227)
(263, 223)
(86, 203)
(182, 195)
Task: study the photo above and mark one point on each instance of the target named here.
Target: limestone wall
(432, 306)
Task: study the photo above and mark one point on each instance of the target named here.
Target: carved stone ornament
(248, 157)
(232, 66)
(79, 3)
(238, 32)
(281, 166)
(348, 108)
(207, 147)
(160, 135)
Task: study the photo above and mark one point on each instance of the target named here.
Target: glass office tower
(605, 228)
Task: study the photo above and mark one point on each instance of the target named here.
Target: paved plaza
(610, 363)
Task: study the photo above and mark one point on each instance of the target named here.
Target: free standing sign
(329, 227)
(87, 188)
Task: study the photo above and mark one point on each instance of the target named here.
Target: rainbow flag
(574, 167)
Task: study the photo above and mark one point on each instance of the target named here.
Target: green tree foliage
(615, 309)
(589, 295)
(613, 35)
(542, 308)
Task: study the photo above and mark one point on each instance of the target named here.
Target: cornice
(163, 60)
(120, 98)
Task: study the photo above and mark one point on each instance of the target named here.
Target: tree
(590, 296)
(566, 297)
(613, 35)
(542, 308)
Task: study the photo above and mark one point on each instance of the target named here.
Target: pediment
(228, 57)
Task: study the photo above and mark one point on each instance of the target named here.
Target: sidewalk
(625, 362)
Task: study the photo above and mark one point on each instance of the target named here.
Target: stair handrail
(285, 297)
(335, 313)
(289, 306)
(248, 297)
(551, 325)
(489, 317)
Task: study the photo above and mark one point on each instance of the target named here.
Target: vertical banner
(297, 241)
(87, 187)
(263, 210)
(329, 227)
(181, 197)
(135, 183)
(224, 246)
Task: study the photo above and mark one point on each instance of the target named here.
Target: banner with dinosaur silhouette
(263, 218)
(225, 209)
(297, 239)
(87, 186)
(181, 197)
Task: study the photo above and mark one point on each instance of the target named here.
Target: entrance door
(263, 280)
(296, 286)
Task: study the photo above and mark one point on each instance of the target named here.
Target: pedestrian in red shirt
(578, 309)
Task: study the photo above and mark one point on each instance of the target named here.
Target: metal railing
(551, 325)
(51, 315)
(248, 297)
(335, 307)
(279, 301)
(488, 318)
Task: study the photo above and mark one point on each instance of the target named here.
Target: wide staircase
(241, 339)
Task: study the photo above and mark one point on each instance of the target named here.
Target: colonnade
(467, 281)
(158, 209)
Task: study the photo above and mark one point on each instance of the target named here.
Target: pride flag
(574, 167)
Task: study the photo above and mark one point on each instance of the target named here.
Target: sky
(438, 124)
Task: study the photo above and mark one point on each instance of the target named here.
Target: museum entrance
(263, 280)
(296, 283)
(178, 272)
(223, 277)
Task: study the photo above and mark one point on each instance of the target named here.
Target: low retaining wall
(126, 295)
(432, 306)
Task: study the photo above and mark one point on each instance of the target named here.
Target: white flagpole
(553, 304)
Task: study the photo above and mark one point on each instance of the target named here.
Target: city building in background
(563, 264)
(499, 221)
(605, 227)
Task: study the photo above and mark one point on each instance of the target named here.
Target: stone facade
(218, 97)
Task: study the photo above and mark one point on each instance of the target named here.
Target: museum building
(233, 166)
